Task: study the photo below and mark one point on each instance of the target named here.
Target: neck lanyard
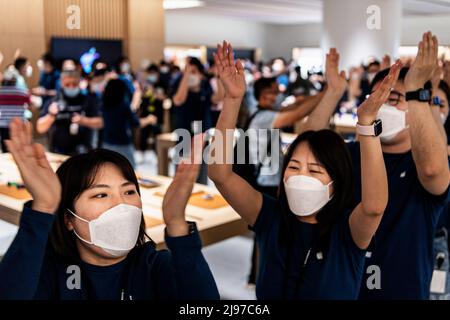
(290, 267)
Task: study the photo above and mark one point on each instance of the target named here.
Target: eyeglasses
(394, 98)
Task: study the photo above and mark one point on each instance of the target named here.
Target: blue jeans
(441, 262)
(127, 150)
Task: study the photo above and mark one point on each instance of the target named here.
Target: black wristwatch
(422, 95)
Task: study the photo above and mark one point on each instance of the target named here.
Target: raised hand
(336, 80)
(368, 110)
(179, 191)
(386, 62)
(230, 73)
(436, 76)
(36, 172)
(425, 63)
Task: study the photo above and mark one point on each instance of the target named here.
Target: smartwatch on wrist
(421, 95)
(374, 130)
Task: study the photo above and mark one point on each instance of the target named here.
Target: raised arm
(297, 111)
(366, 217)
(20, 269)
(337, 84)
(435, 110)
(428, 148)
(239, 194)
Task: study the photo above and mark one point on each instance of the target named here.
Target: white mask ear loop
(328, 189)
(79, 237)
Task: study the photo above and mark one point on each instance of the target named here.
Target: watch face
(377, 127)
(424, 95)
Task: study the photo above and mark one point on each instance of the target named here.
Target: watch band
(422, 95)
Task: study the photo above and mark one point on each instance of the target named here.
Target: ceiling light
(182, 4)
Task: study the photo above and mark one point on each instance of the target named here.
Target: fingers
(239, 67)
(382, 93)
(41, 158)
(230, 56)
(224, 53)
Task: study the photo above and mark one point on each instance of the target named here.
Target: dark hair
(330, 150)
(99, 72)
(114, 94)
(374, 63)
(20, 62)
(152, 68)
(262, 84)
(195, 62)
(383, 74)
(49, 59)
(442, 86)
(76, 175)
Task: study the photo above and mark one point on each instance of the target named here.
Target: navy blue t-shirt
(334, 274)
(403, 245)
(118, 123)
(31, 269)
(197, 107)
(61, 139)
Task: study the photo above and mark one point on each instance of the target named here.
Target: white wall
(194, 29)
(278, 40)
(281, 39)
(414, 27)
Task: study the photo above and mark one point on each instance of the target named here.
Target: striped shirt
(13, 103)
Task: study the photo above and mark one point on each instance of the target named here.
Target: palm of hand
(233, 82)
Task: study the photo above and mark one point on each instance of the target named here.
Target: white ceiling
(298, 11)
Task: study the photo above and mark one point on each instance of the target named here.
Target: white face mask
(194, 81)
(394, 122)
(371, 76)
(29, 71)
(444, 118)
(116, 230)
(306, 195)
(164, 69)
(125, 68)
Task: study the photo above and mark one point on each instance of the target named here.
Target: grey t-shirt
(270, 172)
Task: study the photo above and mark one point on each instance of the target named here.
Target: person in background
(300, 88)
(313, 236)
(116, 262)
(126, 74)
(97, 86)
(280, 72)
(68, 117)
(416, 160)
(154, 95)
(22, 70)
(217, 98)
(48, 79)
(440, 108)
(192, 104)
(119, 120)
(164, 75)
(175, 76)
(370, 71)
(14, 102)
(193, 99)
